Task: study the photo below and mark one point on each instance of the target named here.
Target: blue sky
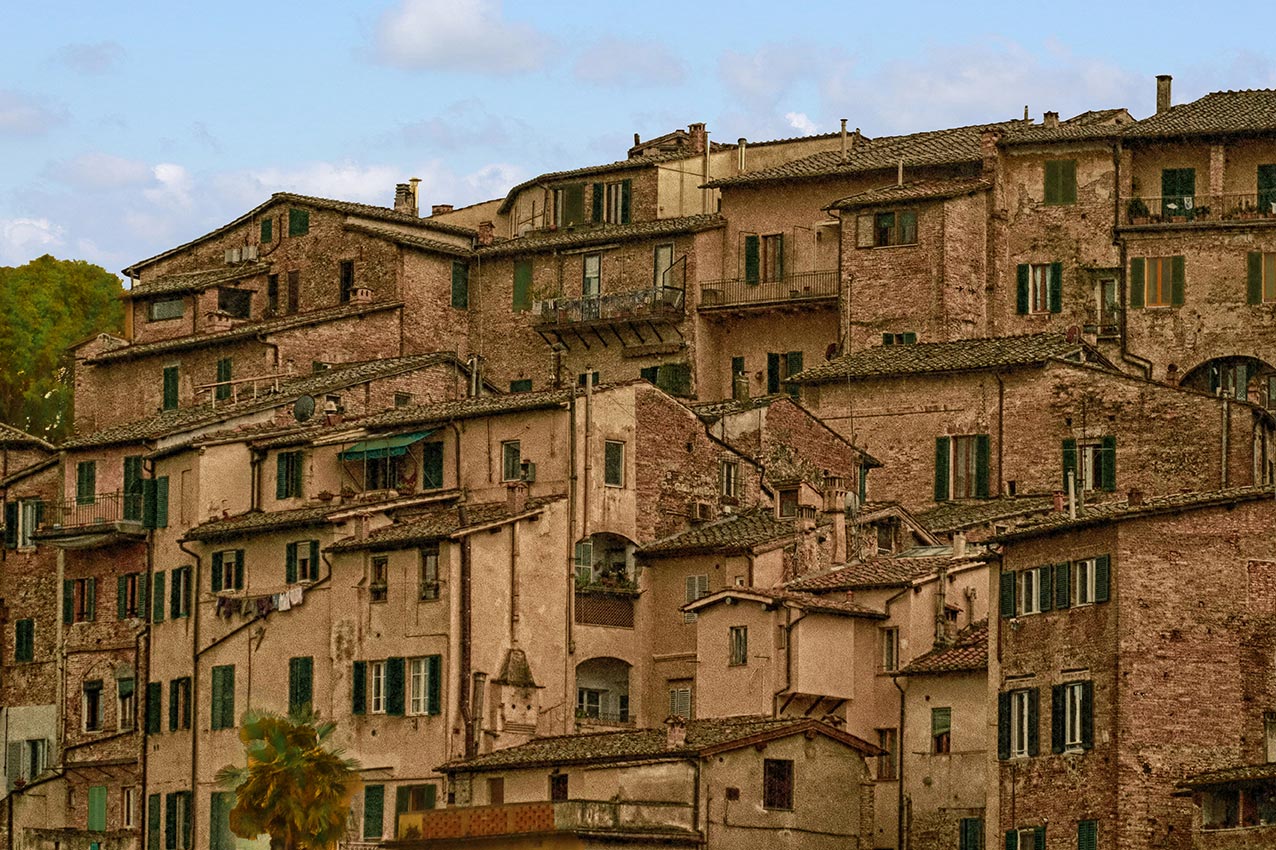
(130, 127)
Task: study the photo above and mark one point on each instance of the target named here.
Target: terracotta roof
(598, 234)
(712, 411)
(1247, 111)
(411, 240)
(1229, 775)
(1039, 134)
(968, 652)
(10, 436)
(468, 408)
(954, 516)
(736, 533)
(621, 165)
(184, 418)
(1107, 512)
(703, 737)
(1109, 117)
(804, 601)
(436, 523)
(880, 571)
(254, 521)
(171, 284)
(958, 356)
(244, 331)
(918, 190)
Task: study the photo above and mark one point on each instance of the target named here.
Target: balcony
(793, 288)
(673, 824)
(644, 320)
(92, 520)
(1243, 208)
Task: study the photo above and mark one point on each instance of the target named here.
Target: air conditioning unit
(249, 252)
(232, 256)
(703, 511)
(527, 471)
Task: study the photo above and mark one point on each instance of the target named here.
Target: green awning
(384, 447)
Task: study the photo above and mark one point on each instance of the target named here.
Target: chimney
(675, 732)
(1051, 121)
(741, 145)
(740, 386)
(405, 197)
(637, 140)
(699, 139)
(516, 497)
(486, 233)
(942, 635)
(441, 209)
(476, 381)
(415, 183)
(959, 545)
(1163, 101)
(843, 140)
(988, 140)
(835, 507)
(806, 518)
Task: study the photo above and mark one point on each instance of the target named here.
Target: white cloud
(23, 115)
(349, 181)
(173, 189)
(23, 239)
(629, 64)
(96, 58)
(799, 121)
(100, 171)
(457, 35)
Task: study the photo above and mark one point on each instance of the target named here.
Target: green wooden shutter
(400, 806)
(1007, 594)
(751, 259)
(170, 387)
(373, 811)
(1070, 463)
(626, 200)
(1034, 722)
(1102, 576)
(148, 503)
(1052, 192)
(1021, 289)
(910, 338)
(154, 697)
(219, 805)
(460, 285)
(161, 502)
(359, 688)
(778, 272)
(224, 366)
(175, 594)
(1087, 835)
(97, 808)
(1254, 278)
(1012, 839)
(314, 560)
(174, 703)
(597, 215)
(431, 796)
(298, 222)
(1039, 838)
(1003, 724)
(282, 478)
(1136, 280)
(142, 581)
(223, 716)
(290, 564)
(1058, 710)
(432, 463)
(1062, 585)
(90, 599)
(1045, 588)
(1178, 280)
(11, 525)
(239, 569)
(188, 825)
(981, 465)
(157, 598)
(300, 682)
(133, 487)
(888, 339)
(1054, 288)
(433, 684)
(772, 372)
(24, 640)
(1107, 464)
(394, 686)
(267, 229)
(971, 834)
(219, 561)
(1087, 715)
(68, 601)
(943, 453)
(793, 365)
(153, 822)
(522, 285)
(121, 597)
(651, 374)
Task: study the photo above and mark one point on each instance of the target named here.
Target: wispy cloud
(23, 115)
(97, 171)
(458, 35)
(799, 121)
(623, 63)
(23, 239)
(98, 58)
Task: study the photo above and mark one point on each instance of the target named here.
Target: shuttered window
(395, 682)
(1260, 278)
(697, 588)
(24, 641)
(301, 561)
(1017, 723)
(752, 258)
(154, 707)
(1157, 281)
(569, 205)
(288, 470)
(97, 808)
(223, 708)
(961, 467)
(267, 229)
(155, 502)
(522, 285)
(460, 285)
(298, 222)
(1039, 288)
(133, 487)
(157, 598)
(614, 463)
(1178, 192)
(1087, 835)
(223, 390)
(153, 825)
(373, 812)
(85, 482)
(228, 570)
(170, 387)
(971, 834)
(300, 682)
(1061, 181)
(219, 835)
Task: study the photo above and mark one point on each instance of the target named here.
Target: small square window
(614, 463)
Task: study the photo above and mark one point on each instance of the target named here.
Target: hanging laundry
(295, 595)
(281, 601)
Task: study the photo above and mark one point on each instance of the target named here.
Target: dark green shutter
(157, 598)
(1070, 464)
(142, 581)
(174, 703)
(223, 697)
(161, 502)
(1136, 280)
(626, 194)
(267, 229)
(460, 285)
(154, 696)
(1021, 289)
(943, 452)
(1007, 594)
(24, 640)
(1003, 722)
(751, 259)
(314, 560)
(971, 834)
(359, 688)
(1062, 585)
(175, 594)
(1034, 722)
(394, 682)
(888, 339)
(133, 487)
(1178, 280)
(224, 367)
(1058, 710)
(121, 597)
(433, 684)
(1039, 838)
(148, 503)
(400, 806)
(1012, 839)
(373, 811)
(68, 601)
(432, 462)
(597, 216)
(778, 272)
(1107, 464)
(431, 795)
(1102, 575)
(982, 452)
(219, 805)
(1087, 835)
(1045, 588)
(90, 599)
(170, 387)
(282, 476)
(187, 824)
(298, 222)
(170, 821)
(1254, 278)
(97, 808)
(11, 525)
(793, 365)
(650, 374)
(239, 569)
(674, 378)
(772, 373)
(522, 284)
(300, 682)
(153, 822)
(1087, 715)
(290, 564)
(1054, 289)
(219, 560)
(910, 338)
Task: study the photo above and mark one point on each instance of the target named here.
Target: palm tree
(294, 788)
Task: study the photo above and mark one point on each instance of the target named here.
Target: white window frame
(230, 559)
(591, 276)
(730, 479)
(1090, 465)
(418, 685)
(125, 708)
(890, 649)
(27, 509)
(1030, 591)
(613, 194)
(182, 582)
(376, 684)
(591, 700)
(1019, 716)
(128, 806)
(1039, 288)
(1083, 582)
(1072, 716)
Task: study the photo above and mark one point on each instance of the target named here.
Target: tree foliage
(46, 306)
(295, 788)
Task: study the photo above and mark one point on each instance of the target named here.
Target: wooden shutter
(97, 808)
(971, 834)
(432, 465)
(1136, 280)
(239, 569)
(170, 387)
(1070, 464)
(187, 824)
(290, 564)
(910, 338)
(282, 478)
(1107, 464)
(751, 259)
(433, 684)
(154, 696)
(394, 686)
(267, 229)
(1003, 721)
(772, 372)
(373, 811)
(68, 601)
(219, 805)
(121, 597)
(1054, 288)
(1007, 594)
(1178, 280)
(1045, 588)
(1254, 278)
(1021, 288)
(170, 821)
(1062, 585)
(522, 284)
(943, 454)
(300, 682)
(400, 805)
(298, 222)
(359, 688)
(1087, 715)
(175, 594)
(1012, 839)
(1034, 722)
(24, 640)
(142, 581)
(1087, 835)
(153, 822)
(174, 703)
(1102, 576)
(460, 285)
(431, 796)
(314, 560)
(981, 465)
(90, 599)
(157, 598)
(161, 502)
(148, 503)
(11, 525)
(597, 216)
(219, 560)
(1058, 712)
(626, 200)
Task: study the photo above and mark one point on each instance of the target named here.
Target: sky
(127, 128)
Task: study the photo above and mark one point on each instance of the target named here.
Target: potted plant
(1137, 211)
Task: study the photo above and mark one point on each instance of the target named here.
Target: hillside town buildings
(845, 491)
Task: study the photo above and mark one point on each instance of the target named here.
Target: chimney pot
(1163, 100)
(675, 731)
(516, 497)
(1051, 120)
(699, 139)
(440, 209)
(486, 233)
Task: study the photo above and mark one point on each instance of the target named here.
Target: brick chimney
(806, 518)
(1051, 121)
(441, 209)
(405, 197)
(675, 732)
(1163, 100)
(486, 233)
(835, 507)
(988, 140)
(516, 497)
(699, 139)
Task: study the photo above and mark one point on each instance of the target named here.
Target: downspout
(899, 748)
(1226, 414)
(1001, 435)
(589, 455)
(514, 601)
(192, 699)
(139, 690)
(843, 296)
(463, 698)
(254, 465)
(570, 584)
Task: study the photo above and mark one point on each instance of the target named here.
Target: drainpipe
(569, 645)
(899, 748)
(193, 697)
(254, 477)
(1001, 435)
(1226, 414)
(463, 698)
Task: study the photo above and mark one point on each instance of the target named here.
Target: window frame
(679, 696)
(428, 587)
(730, 479)
(770, 257)
(558, 787)
(153, 309)
(1020, 717)
(93, 710)
(963, 480)
(1083, 582)
(511, 460)
(787, 502)
(379, 578)
(569, 199)
(1073, 719)
(591, 277)
(1062, 184)
(1040, 281)
(737, 646)
(418, 673)
(125, 705)
(778, 784)
(1029, 591)
(895, 232)
(888, 761)
(1164, 280)
(376, 687)
(345, 278)
(889, 646)
(128, 806)
(941, 742)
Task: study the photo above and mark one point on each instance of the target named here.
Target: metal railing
(98, 509)
(660, 302)
(1194, 209)
(628, 816)
(793, 287)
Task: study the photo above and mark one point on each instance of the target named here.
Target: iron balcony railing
(794, 287)
(660, 302)
(1194, 209)
(95, 509)
(627, 817)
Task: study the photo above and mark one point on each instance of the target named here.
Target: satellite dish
(304, 408)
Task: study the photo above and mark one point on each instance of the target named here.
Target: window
(86, 482)
(1017, 723)
(1157, 281)
(961, 467)
(558, 787)
(301, 671)
(128, 807)
(1261, 277)
(738, 637)
(92, 705)
(511, 461)
(894, 228)
(680, 701)
(662, 266)
(1061, 181)
(697, 588)
(425, 685)
(1178, 192)
(906, 338)
(777, 783)
(298, 222)
(288, 470)
(236, 303)
(569, 205)
(267, 230)
(971, 834)
(1026, 838)
(1034, 590)
(154, 708)
(402, 399)
(731, 480)
(301, 561)
(22, 519)
(788, 502)
(1108, 312)
(97, 808)
(168, 308)
(890, 649)
(772, 257)
(495, 790)
(419, 798)
(179, 704)
(1072, 717)
(779, 368)
(126, 703)
(522, 385)
(428, 589)
(591, 279)
(24, 641)
(170, 387)
(589, 702)
(1092, 461)
(177, 832)
(592, 378)
(941, 730)
(378, 580)
(180, 593)
(223, 713)
(460, 285)
(345, 273)
(614, 463)
(272, 294)
(228, 570)
(376, 673)
(1269, 736)
(294, 291)
(612, 202)
(79, 600)
(886, 764)
(1087, 835)
(373, 812)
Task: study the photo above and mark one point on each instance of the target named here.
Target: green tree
(46, 306)
(295, 787)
